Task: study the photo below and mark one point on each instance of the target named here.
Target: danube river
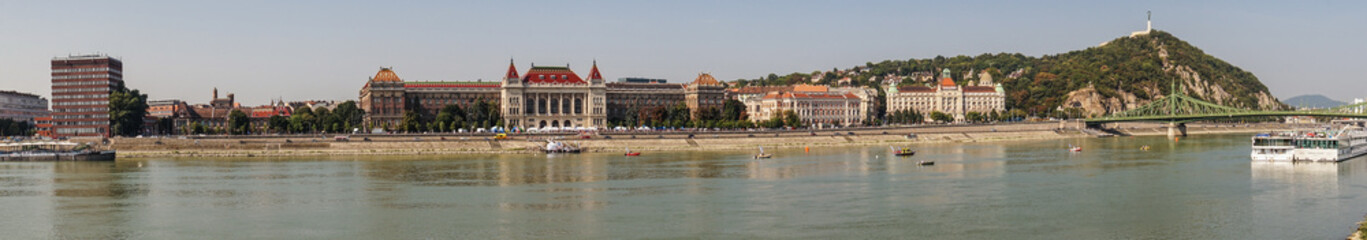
(1202, 187)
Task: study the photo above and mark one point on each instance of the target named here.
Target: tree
(790, 119)
(349, 114)
(10, 127)
(196, 128)
(733, 110)
(278, 123)
(126, 111)
(412, 121)
(302, 121)
(973, 117)
(941, 117)
(166, 126)
(238, 122)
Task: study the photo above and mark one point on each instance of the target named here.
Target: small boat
(1144, 148)
(559, 147)
(632, 154)
(902, 152)
(1072, 148)
(925, 163)
(762, 155)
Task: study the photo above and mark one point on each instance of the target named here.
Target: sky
(326, 50)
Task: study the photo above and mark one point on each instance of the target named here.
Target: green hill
(1313, 101)
(1118, 75)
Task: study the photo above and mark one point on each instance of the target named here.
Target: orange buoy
(806, 149)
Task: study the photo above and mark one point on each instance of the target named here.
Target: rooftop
(386, 75)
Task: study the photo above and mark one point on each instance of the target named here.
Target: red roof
(556, 75)
(809, 95)
(267, 111)
(979, 89)
(451, 84)
(386, 75)
(594, 74)
(947, 82)
(759, 89)
(512, 71)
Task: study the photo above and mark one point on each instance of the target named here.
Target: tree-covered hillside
(1119, 75)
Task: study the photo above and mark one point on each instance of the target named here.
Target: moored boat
(560, 147)
(53, 151)
(905, 151)
(1342, 140)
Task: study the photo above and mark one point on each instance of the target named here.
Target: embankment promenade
(430, 144)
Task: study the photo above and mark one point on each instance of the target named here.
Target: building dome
(386, 75)
(706, 80)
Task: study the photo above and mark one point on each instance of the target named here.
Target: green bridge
(1177, 109)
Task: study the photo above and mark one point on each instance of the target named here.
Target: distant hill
(1119, 75)
(1312, 101)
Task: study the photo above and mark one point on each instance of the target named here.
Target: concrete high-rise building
(22, 106)
(81, 85)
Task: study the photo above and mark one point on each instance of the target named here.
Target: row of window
(98, 109)
(77, 130)
(80, 96)
(80, 103)
(85, 76)
(101, 69)
(97, 116)
(80, 123)
(93, 89)
(83, 83)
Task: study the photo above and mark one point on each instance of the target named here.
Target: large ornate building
(815, 109)
(553, 97)
(386, 96)
(705, 92)
(948, 97)
(544, 96)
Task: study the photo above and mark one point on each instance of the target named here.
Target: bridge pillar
(1177, 130)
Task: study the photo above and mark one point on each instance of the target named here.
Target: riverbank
(318, 145)
(1361, 233)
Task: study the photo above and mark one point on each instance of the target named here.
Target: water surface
(1203, 187)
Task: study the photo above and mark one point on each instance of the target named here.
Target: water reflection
(1201, 187)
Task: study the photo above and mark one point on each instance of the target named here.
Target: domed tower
(382, 98)
(703, 93)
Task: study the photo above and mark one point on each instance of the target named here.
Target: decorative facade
(553, 97)
(816, 109)
(947, 97)
(703, 93)
(383, 99)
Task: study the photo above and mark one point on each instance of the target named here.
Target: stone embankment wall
(317, 145)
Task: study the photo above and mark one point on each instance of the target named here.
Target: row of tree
(482, 114)
(730, 115)
(15, 128)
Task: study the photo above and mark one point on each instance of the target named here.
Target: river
(1201, 187)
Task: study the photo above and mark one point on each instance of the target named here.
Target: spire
(512, 70)
(594, 74)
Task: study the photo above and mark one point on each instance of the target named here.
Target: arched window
(530, 107)
(578, 106)
(541, 108)
(565, 107)
(555, 106)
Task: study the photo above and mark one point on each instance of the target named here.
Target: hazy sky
(327, 49)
